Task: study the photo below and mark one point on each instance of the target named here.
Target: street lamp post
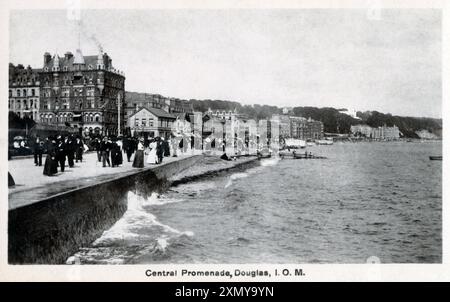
(118, 114)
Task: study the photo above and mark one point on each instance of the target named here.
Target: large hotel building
(84, 92)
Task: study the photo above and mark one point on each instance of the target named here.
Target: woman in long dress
(115, 152)
(152, 157)
(51, 165)
(138, 161)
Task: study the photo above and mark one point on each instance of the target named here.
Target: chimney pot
(68, 55)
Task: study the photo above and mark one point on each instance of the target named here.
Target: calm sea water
(366, 199)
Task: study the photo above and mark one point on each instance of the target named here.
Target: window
(150, 122)
(97, 118)
(10, 93)
(32, 92)
(144, 122)
(136, 122)
(18, 92)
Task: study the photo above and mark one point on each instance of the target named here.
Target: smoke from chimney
(91, 36)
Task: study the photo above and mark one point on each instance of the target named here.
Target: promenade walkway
(32, 185)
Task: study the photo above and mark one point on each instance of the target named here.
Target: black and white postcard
(224, 141)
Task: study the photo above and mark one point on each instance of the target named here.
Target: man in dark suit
(61, 153)
(159, 150)
(129, 147)
(38, 150)
(104, 149)
(70, 150)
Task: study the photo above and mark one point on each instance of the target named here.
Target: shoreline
(49, 230)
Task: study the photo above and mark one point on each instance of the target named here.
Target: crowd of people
(66, 150)
(58, 150)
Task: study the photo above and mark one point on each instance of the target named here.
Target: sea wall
(54, 228)
(208, 172)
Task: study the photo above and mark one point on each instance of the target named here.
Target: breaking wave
(137, 233)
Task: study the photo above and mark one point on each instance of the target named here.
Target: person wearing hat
(160, 149)
(139, 155)
(69, 146)
(79, 147)
(37, 151)
(152, 158)
(128, 147)
(60, 153)
(105, 147)
(166, 147)
(96, 145)
(116, 153)
(51, 164)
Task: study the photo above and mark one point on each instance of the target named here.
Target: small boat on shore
(291, 143)
(264, 153)
(294, 155)
(436, 157)
(327, 141)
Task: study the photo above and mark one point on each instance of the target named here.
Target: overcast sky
(336, 58)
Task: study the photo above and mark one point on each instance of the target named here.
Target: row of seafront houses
(376, 133)
(87, 94)
(386, 133)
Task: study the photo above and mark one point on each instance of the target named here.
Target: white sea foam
(162, 243)
(238, 175)
(234, 177)
(229, 183)
(157, 200)
(188, 233)
(134, 219)
(270, 162)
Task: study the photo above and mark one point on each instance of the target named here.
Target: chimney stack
(47, 58)
(68, 55)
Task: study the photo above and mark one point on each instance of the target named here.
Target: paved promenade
(32, 185)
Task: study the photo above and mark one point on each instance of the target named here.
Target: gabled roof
(180, 115)
(79, 59)
(155, 111)
(160, 113)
